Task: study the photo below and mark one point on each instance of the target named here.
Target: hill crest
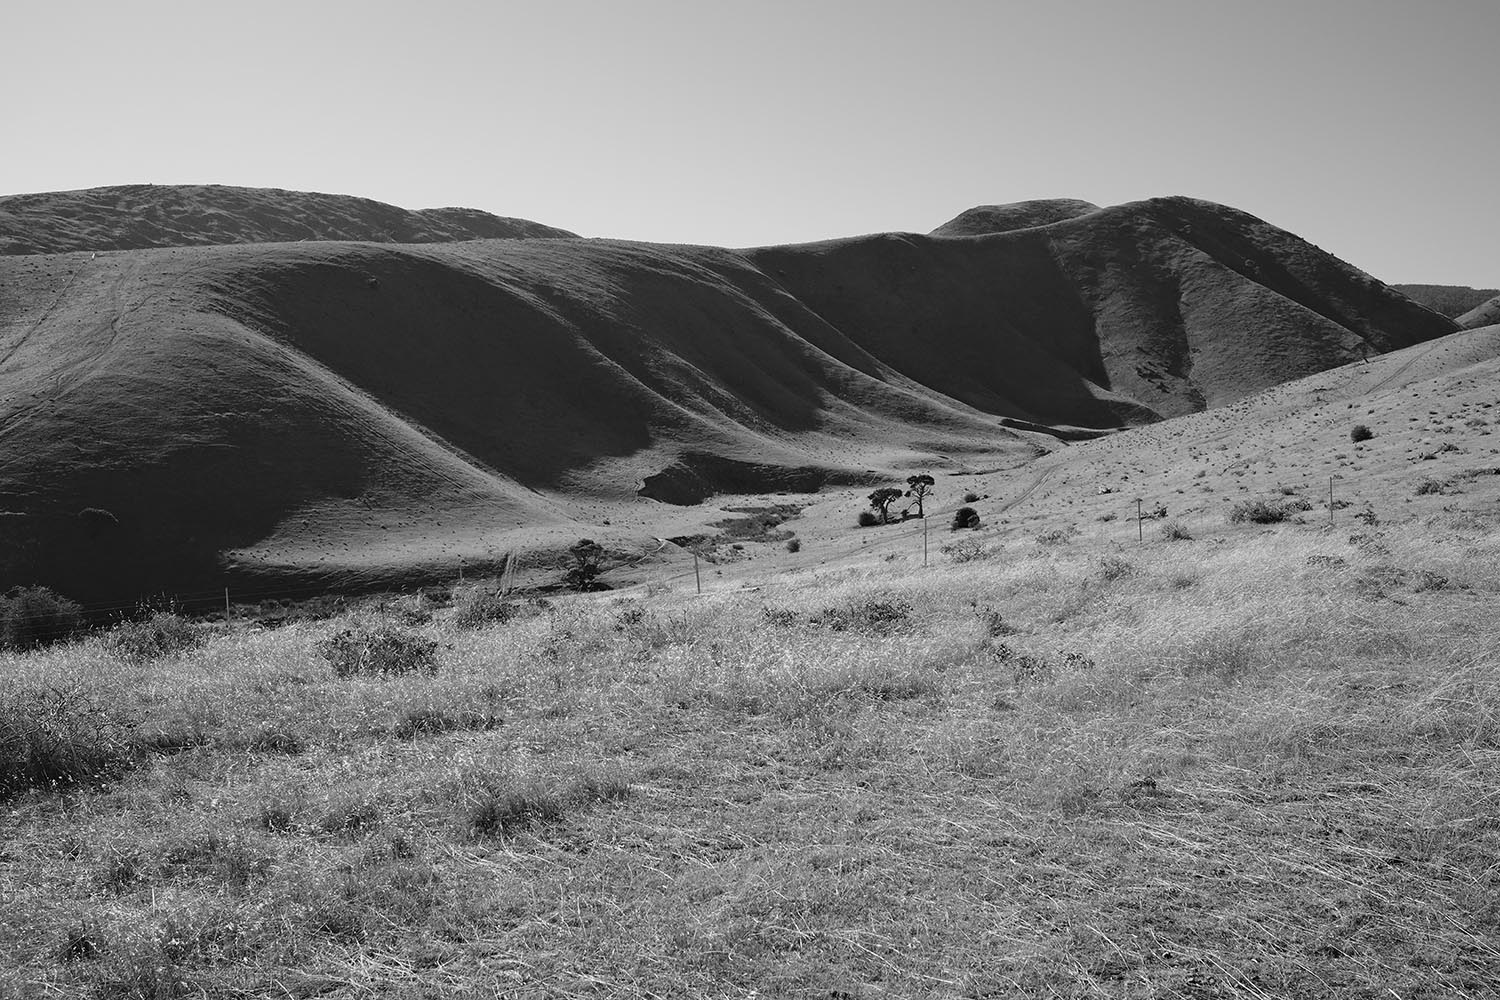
(147, 216)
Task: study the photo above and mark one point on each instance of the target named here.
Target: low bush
(152, 638)
(482, 607)
(379, 649)
(1057, 536)
(873, 615)
(1258, 512)
(867, 519)
(1359, 432)
(794, 545)
(964, 517)
(971, 498)
(1173, 531)
(59, 738)
(32, 617)
(964, 550)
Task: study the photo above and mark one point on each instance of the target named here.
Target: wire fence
(1140, 520)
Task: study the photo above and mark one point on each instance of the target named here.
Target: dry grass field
(1258, 762)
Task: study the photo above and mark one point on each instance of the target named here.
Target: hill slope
(140, 216)
(355, 412)
(1449, 300)
(1485, 314)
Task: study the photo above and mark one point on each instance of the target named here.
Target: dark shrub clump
(965, 517)
(1359, 432)
(379, 649)
(867, 519)
(31, 617)
(151, 639)
(1258, 512)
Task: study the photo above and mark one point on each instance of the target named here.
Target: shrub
(965, 517)
(971, 498)
(994, 623)
(60, 738)
(1057, 536)
(794, 545)
(481, 607)
(1359, 432)
(1173, 531)
(867, 519)
(379, 649)
(161, 634)
(1430, 485)
(964, 550)
(1114, 568)
(31, 617)
(1258, 512)
(875, 615)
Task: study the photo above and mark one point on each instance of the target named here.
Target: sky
(1365, 126)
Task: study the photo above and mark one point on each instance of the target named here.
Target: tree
(882, 499)
(920, 487)
(586, 554)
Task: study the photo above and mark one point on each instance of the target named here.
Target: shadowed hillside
(1449, 300)
(353, 412)
(138, 216)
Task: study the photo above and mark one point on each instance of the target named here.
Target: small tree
(587, 555)
(920, 487)
(882, 499)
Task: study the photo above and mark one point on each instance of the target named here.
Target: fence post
(1140, 529)
(924, 541)
(697, 579)
(226, 605)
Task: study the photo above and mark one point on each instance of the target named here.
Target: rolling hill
(343, 413)
(141, 216)
(1487, 313)
(1449, 300)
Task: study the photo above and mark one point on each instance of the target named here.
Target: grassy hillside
(1259, 761)
(1487, 313)
(139, 216)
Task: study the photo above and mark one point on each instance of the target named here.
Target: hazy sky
(1366, 126)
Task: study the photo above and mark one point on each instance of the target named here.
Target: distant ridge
(145, 216)
(986, 219)
(1448, 300)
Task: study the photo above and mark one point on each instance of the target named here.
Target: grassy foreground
(1264, 765)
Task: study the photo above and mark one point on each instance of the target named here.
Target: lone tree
(586, 554)
(920, 487)
(882, 499)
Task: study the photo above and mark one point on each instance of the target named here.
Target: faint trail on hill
(1026, 494)
(46, 313)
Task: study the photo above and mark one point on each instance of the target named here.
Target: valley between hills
(283, 392)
